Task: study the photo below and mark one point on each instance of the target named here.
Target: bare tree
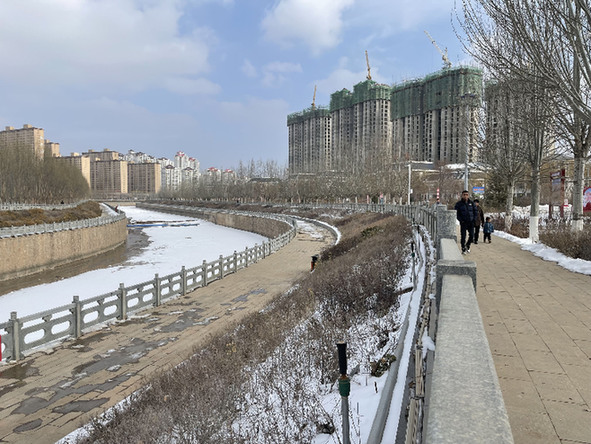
(554, 38)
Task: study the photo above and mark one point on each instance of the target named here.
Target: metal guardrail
(70, 320)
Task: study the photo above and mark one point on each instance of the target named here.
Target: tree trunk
(509, 206)
(578, 185)
(534, 214)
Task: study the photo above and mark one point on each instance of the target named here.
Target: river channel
(164, 245)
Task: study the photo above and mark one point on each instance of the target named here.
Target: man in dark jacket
(466, 213)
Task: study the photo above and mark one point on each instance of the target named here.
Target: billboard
(587, 200)
(478, 191)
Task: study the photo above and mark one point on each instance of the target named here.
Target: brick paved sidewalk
(537, 317)
(49, 394)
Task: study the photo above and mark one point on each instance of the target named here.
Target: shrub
(573, 244)
(258, 382)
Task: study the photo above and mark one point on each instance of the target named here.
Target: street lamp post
(467, 99)
(409, 188)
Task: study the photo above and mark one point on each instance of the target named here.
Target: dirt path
(49, 394)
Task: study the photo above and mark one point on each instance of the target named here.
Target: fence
(70, 320)
(8, 206)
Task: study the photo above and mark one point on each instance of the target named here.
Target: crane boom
(314, 98)
(446, 62)
(368, 68)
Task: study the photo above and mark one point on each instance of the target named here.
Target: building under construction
(431, 119)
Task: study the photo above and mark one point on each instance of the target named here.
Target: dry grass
(199, 401)
(36, 216)
(573, 244)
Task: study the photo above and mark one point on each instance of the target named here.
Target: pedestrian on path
(479, 221)
(466, 214)
(488, 229)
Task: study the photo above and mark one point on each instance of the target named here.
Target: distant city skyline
(215, 79)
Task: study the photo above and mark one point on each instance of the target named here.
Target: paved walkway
(49, 394)
(537, 317)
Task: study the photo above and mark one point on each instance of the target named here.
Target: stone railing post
(183, 281)
(204, 269)
(15, 327)
(246, 257)
(221, 266)
(235, 261)
(446, 224)
(76, 312)
(157, 291)
(122, 301)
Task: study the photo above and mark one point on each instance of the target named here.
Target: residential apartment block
(108, 178)
(144, 178)
(28, 137)
(80, 162)
(309, 141)
(431, 119)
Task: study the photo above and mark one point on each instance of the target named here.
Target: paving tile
(571, 421)
(556, 387)
(580, 377)
(526, 341)
(510, 367)
(530, 427)
(542, 361)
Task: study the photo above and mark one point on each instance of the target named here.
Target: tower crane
(446, 62)
(368, 68)
(314, 98)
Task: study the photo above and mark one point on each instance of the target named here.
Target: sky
(215, 79)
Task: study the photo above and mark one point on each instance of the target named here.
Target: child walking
(488, 229)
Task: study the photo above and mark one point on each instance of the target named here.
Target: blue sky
(213, 78)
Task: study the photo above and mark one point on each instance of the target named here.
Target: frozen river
(167, 250)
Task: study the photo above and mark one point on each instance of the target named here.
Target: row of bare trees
(539, 52)
(388, 182)
(26, 178)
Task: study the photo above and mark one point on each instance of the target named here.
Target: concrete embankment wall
(27, 255)
(260, 225)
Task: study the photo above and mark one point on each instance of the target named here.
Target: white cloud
(248, 69)
(273, 73)
(111, 44)
(389, 17)
(315, 23)
(343, 77)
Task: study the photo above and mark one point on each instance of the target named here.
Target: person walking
(487, 230)
(466, 214)
(479, 221)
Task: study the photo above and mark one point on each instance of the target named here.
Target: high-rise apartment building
(80, 162)
(429, 120)
(144, 178)
(436, 118)
(108, 177)
(309, 141)
(361, 127)
(27, 137)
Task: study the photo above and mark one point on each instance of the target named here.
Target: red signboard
(587, 200)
